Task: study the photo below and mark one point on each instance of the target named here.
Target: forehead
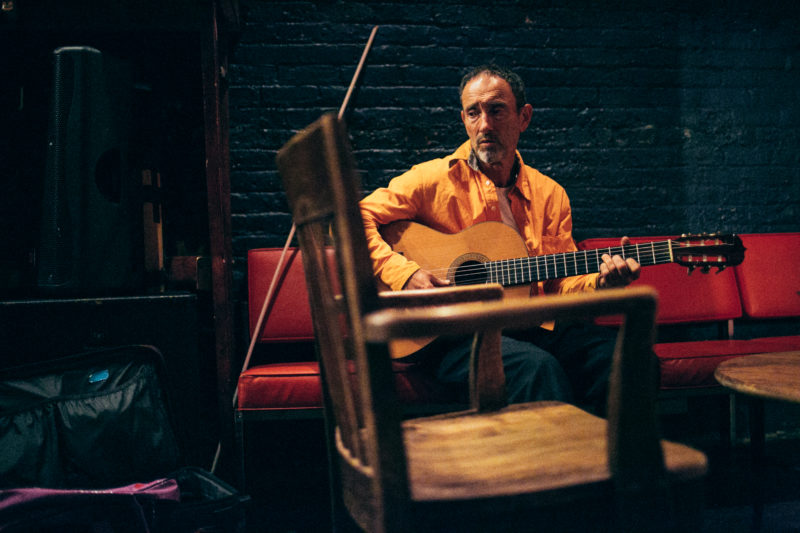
(486, 88)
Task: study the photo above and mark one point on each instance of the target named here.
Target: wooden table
(771, 376)
(768, 376)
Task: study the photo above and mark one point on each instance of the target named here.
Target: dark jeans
(569, 364)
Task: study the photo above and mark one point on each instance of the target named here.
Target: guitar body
(446, 254)
(450, 255)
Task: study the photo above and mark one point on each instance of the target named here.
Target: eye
(498, 110)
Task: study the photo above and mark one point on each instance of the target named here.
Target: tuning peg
(720, 268)
(691, 269)
(706, 269)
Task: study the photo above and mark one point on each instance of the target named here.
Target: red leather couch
(764, 288)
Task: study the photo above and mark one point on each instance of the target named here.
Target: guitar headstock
(708, 250)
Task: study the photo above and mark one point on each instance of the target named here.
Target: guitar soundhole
(471, 273)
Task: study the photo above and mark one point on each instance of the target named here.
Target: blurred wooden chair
(536, 466)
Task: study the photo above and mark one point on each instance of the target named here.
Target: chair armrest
(441, 296)
(518, 313)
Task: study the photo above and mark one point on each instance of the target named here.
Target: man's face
(489, 112)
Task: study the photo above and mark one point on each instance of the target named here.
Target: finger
(439, 282)
(621, 265)
(634, 268)
(612, 264)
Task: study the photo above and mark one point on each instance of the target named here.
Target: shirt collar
(464, 154)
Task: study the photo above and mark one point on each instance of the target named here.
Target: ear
(525, 113)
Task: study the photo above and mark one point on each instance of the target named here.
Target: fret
(653, 250)
(514, 265)
(528, 262)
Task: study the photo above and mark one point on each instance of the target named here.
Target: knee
(535, 377)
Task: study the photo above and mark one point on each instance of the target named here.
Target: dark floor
(287, 476)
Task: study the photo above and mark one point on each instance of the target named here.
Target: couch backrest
(289, 316)
(765, 279)
(683, 298)
(769, 276)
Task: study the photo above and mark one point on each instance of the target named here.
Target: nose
(485, 122)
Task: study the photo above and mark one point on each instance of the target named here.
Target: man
(485, 179)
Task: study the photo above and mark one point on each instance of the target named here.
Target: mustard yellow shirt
(449, 196)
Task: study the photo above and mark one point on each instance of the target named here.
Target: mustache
(487, 137)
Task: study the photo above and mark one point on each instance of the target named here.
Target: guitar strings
(565, 264)
(554, 265)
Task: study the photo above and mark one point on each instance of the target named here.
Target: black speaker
(90, 238)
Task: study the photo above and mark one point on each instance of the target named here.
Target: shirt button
(488, 182)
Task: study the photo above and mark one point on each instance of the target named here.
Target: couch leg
(239, 436)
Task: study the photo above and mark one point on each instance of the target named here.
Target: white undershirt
(505, 206)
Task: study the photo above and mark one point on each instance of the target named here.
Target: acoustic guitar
(493, 252)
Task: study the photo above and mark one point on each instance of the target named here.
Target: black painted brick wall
(658, 120)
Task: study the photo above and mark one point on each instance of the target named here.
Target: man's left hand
(616, 271)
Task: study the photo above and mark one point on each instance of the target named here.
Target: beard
(491, 154)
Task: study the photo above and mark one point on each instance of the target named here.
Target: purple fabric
(120, 509)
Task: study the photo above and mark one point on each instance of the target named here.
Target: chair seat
(544, 450)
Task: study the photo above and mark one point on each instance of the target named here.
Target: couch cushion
(692, 364)
(769, 277)
(296, 385)
(289, 315)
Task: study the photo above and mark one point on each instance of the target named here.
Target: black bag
(96, 420)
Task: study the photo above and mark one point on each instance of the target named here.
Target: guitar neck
(525, 270)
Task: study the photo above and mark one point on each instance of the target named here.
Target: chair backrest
(322, 187)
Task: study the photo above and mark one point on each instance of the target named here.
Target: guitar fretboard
(525, 270)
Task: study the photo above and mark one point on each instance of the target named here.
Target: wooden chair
(536, 466)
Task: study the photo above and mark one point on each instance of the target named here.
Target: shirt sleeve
(398, 201)
(562, 241)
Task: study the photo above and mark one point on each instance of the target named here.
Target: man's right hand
(422, 279)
